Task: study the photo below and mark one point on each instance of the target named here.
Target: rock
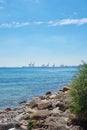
(58, 128)
(65, 98)
(55, 103)
(12, 129)
(21, 110)
(17, 129)
(48, 93)
(8, 109)
(35, 102)
(52, 96)
(48, 112)
(56, 123)
(62, 106)
(40, 114)
(57, 96)
(29, 110)
(22, 102)
(39, 129)
(72, 118)
(6, 126)
(41, 97)
(22, 116)
(44, 105)
(76, 128)
(66, 113)
(56, 112)
(1, 112)
(24, 122)
(65, 88)
(24, 127)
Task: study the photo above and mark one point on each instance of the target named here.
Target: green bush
(78, 93)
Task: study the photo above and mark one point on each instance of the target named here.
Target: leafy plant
(31, 124)
(78, 93)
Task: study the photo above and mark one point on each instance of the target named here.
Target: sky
(43, 31)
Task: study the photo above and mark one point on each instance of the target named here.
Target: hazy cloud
(33, 1)
(50, 22)
(62, 22)
(38, 22)
(14, 25)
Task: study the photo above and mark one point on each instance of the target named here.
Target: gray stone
(6, 126)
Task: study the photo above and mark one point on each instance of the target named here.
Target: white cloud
(62, 22)
(14, 25)
(69, 22)
(17, 24)
(83, 21)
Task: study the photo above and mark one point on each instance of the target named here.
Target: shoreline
(46, 112)
(28, 99)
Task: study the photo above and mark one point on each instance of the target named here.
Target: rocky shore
(48, 112)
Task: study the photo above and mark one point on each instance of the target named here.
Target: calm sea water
(17, 84)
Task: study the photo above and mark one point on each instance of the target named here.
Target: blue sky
(43, 31)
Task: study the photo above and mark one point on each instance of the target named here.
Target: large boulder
(44, 105)
(40, 114)
(34, 103)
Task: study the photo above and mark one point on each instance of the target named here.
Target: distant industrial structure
(31, 64)
(43, 65)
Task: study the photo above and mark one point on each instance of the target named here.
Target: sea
(24, 83)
